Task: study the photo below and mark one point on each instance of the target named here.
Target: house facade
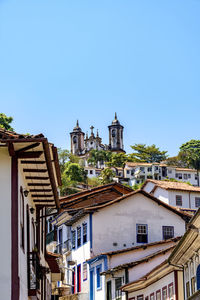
(177, 194)
(29, 179)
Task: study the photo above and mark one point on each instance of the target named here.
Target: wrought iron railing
(33, 271)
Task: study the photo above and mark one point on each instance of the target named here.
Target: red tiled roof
(172, 185)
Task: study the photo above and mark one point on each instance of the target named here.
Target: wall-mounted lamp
(32, 209)
(26, 192)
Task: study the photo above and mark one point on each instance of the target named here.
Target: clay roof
(140, 247)
(94, 196)
(142, 164)
(79, 213)
(172, 185)
(139, 261)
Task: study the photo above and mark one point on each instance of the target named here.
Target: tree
(98, 156)
(117, 160)
(191, 154)
(5, 122)
(149, 154)
(177, 161)
(74, 172)
(106, 176)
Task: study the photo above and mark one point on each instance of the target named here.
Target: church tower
(77, 140)
(116, 136)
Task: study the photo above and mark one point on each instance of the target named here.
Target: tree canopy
(149, 154)
(191, 154)
(5, 122)
(106, 176)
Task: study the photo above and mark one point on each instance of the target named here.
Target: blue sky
(67, 59)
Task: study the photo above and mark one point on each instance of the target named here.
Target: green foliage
(177, 161)
(98, 156)
(93, 181)
(74, 172)
(149, 154)
(175, 180)
(117, 160)
(5, 122)
(191, 155)
(106, 176)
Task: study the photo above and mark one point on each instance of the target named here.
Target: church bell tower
(77, 140)
(116, 136)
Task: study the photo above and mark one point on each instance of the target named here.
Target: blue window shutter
(198, 277)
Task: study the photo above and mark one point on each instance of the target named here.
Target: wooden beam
(37, 177)
(11, 149)
(41, 196)
(35, 154)
(28, 147)
(45, 204)
(33, 162)
(39, 184)
(40, 190)
(43, 200)
(35, 170)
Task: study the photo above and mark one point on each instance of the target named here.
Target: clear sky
(66, 59)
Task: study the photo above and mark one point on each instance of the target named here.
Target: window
(185, 176)
(142, 235)
(73, 239)
(164, 293)
(127, 171)
(193, 281)
(98, 271)
(198, 277)
(188, 289)
(149, 169)
(84, 271)
(152, 296)
(158, 295)
(195, 176)
(168, 232)
(142, 169)
(178, 200)
(169, 171)
(197, 201)
(91, 171)
(179, 175)
(171, 291)
(84, 233)
(189, 176)
(21, 218)
(74, 281)
(113, 133)
(118, 292)
(141, 297)
(74, 140)
(78, 236)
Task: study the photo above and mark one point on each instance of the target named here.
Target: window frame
(98, 278)
(152, 294)
(85, 271)
(77, 238)
(164, 289)
(177, 200)
(85, 225)
(164, 227)
(169, 286)
(137, 226)
(158, 292)
(73, 232)
(197, 199)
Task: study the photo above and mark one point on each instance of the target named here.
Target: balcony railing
(64, 247)
(51, 237)
(33, 272)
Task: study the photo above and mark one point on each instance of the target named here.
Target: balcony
(33, 273)
(51, 237)
(64, 247)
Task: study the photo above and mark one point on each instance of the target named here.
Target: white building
(177, 194)
(187, 257)
(29, 179)
(130, 220)
(139, 172)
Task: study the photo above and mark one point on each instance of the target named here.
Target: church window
(74, 139)
(113, 133)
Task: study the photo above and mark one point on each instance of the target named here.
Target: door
(92, 284)
(109, 291)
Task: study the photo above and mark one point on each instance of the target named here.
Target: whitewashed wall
(117, 223)
(5, 224)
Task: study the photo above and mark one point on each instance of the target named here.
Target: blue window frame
(78, 236)
(73, 239)
(142, 233)
(98, 271)
(198, 277)
(84, 233)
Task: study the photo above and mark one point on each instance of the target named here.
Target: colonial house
(177, 194)
(29, 179)
(124, 266)
(186, 256)
(139, 172)
(134, 219)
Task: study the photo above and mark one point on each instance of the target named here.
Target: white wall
(162, 195)
(117, 223)
(149, 187)
(5, 224)
(158, 285)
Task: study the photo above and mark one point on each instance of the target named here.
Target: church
(81, 143)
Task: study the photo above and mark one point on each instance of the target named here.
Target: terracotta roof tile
(171, 185)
